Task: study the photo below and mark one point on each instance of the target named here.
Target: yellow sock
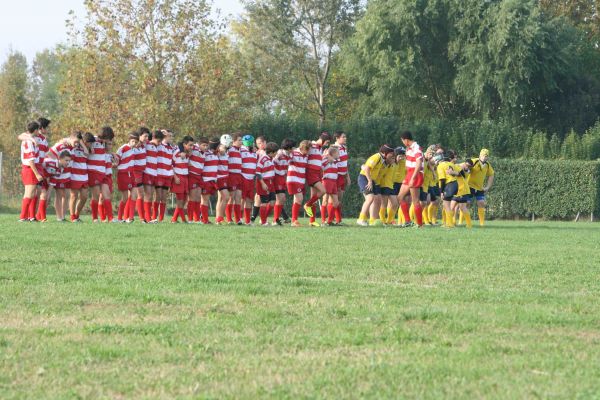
(401, 217)
(481, 214)
(443, 216)
(411, 212)
(468, 220)
(433, 210)
(362, 217)
(391, 214)
(461, 216)
(454, 218)
(382, 214)
(372, 221)
(426, 215)
(450, 219)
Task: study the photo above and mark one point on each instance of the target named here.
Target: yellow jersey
(441, 170)
(428, 178)
(463, 185)
(478, 174)
(400, 172)
(376, 162)
(387, 176)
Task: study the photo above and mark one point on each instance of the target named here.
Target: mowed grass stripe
(203, 311)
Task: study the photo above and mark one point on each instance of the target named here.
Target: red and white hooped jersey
(180, 163)
(51, 168)
(413, 154)
(315, 155)
(151, 159)
(29, 152)
(164, 160)
(297, 168)
(211, 166)
(42, 144)
(109, 164)
(223, 170)
(79, 170)
(265, 167)
(126, 158)
(139, 158)
(97, 158)
(55, 151)
(249, 160)
(281, 162)
(235, 160)
(196, 163)
(343, 161)
(330, 169)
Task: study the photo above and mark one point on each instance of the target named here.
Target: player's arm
(490, 182)
(25, 136)
(367, 170)
(37, 173)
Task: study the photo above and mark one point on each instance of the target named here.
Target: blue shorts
(386, 191)
(450, 190)
(462, 199)
(422, 195)
(362, 185)
(479, 195)
(434, 193)
(397, 187)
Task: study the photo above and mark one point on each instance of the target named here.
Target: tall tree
(299, 38)
(14, 102)
(47, 72)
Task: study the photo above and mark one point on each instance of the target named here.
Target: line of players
(393, 178)
(250, 179)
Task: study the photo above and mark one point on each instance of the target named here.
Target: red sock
(277, 212)
(155, 210)
(228, 208)
(162, 207)
(139, 206)
(182, 215)
(314, 210)
(130, 209)
(295, 211)
(204, 209)
(312, 200)
(73, 217)
(269, 208)
(338, 214)
(247, 215)
(41, 212)
(94, 207)
(101, 213)
(31, 210)
(108, 211)
(264, 214)
(190, 210)
(405, 211)
(323, 208)
(329, 213)
(175, 214)
(219, 219)
(147, 210)
(121, 212)
(237, 212)
(25, 207)
(419, 214)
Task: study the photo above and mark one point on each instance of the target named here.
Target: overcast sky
(33, 25)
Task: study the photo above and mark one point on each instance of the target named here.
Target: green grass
(119, 311)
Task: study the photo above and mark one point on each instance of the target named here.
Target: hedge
(549, 189)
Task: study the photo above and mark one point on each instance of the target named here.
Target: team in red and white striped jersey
(413, 155)
(413, 180)
(296, 173)
(265, 185)
(150, 172)
(223, 170)
(42, 145)
(79, 169)
(96, 163)
(330, 183)
(63, 181)
(164, 164)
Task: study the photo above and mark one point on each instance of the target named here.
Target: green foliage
(14, 100)
(548, 189)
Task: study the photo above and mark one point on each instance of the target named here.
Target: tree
(14, 101)
(47, 72)
(298, 39)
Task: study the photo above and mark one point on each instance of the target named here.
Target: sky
(30, 26)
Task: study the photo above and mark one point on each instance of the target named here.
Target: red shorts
(279, 183)
(108, 180)
(209, 187)
(95, 179)
(295, 188)
(270, 187)
(331, 186)
(138, 178)
(149, 180)
(194, 182)
(418, 180)
(65, 184)
(234, 182)
(77, 185)
(247, 189)
(313, 176)
(182, 186)
(28, 176)
(341, 182)
(222, 183)
(124, 182)
(164, 181)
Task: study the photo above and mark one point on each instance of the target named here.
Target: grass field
(133, 311)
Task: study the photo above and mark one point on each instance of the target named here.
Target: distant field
(133, 311)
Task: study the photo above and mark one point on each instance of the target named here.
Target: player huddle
(250, 178)
(393, 178)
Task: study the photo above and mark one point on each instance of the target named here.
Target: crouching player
(463, 195)
(265, 187)
(53, 168)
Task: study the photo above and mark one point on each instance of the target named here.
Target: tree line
(521, 74)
